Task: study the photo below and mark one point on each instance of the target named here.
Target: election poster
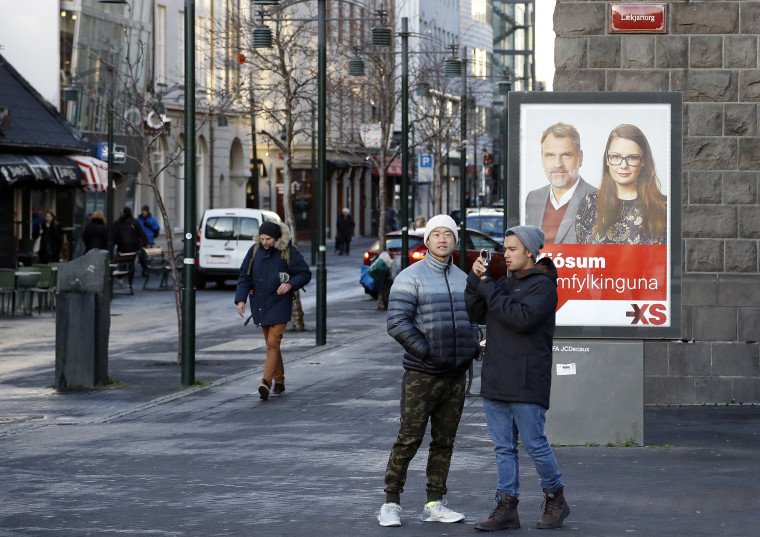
(600, 174)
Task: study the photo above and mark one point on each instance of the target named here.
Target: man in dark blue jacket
(426, 315)
(519, 313)
(271, 272)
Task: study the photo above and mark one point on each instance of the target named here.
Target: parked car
(224, 237)
(488, 220)
(476, 241)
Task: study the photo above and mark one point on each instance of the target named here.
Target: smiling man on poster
(553, 207)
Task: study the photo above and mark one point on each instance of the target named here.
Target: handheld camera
(486, 256)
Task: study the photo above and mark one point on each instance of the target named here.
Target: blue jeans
(505, 421)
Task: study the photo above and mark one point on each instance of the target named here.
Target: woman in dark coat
(95, 234)
(50, 234)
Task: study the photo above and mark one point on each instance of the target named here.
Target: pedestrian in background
(390, 219)
(50, 234)
(427, 316)
(273, 269)
(149, 224)
(129, 236)
(419, 222)
(95, 234)
(345, 232)
(519, 313)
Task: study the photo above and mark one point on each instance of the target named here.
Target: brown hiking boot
(264, 390)
(504, 517)
(555, 510)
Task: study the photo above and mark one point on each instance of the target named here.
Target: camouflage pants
(424, 398)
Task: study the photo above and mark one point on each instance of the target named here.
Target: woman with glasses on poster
(629, 207)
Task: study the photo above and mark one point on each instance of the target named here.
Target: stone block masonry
(710, 53)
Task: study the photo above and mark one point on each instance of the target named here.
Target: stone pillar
(710, 54)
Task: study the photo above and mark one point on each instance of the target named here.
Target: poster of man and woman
(598, 173)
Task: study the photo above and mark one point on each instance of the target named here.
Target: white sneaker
(389, 514)
(438, 512)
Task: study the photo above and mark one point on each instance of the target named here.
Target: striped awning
(39, 171)
(95, 173)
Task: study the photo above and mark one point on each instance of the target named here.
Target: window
(231, 228)
(222, 227)
(248, 227)
(477, 242)
(489, 224)
(181, 46)
(395, 243)
(157, 163)
(480, 63)
(161, 44)
(480, 11)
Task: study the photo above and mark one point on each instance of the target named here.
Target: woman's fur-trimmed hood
(281, 243)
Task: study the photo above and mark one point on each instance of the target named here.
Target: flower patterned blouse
(629, 229)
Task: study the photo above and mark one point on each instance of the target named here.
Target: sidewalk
(151, 458)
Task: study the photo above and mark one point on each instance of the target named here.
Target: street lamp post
(188, 275)
(505, 86)
(463, 166)
(262, 38)
(404, 141)
(110, 194)
(254, 155)
(321, 336)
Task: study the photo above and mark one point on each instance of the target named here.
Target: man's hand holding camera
(480, 266)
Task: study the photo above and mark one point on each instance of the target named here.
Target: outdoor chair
(124, 267)
(157, 265)
(45, 288)
(8, 287)
(26, 284)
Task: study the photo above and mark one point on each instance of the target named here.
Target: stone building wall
(710, 54)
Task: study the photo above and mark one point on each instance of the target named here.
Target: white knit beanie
(441, 220)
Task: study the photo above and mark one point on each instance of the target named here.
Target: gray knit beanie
(530, 236)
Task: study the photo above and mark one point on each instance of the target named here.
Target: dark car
(476, 241)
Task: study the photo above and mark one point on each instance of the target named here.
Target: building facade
(709, 52)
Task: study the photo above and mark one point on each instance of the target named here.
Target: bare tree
(437, 124)
(143, 104)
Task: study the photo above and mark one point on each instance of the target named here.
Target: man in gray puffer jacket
(427, 316)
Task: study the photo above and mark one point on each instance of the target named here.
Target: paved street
(147, 457)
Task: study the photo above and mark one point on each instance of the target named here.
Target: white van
(224, 237)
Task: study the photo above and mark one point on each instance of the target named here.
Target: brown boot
(555, 510)
(504, 517)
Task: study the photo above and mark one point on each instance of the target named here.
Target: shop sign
(119, 153)
(637, 18)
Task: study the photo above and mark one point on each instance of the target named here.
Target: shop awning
(95, 173)
(39, 171)
(394, 168)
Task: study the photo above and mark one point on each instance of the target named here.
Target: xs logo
(656, 314)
